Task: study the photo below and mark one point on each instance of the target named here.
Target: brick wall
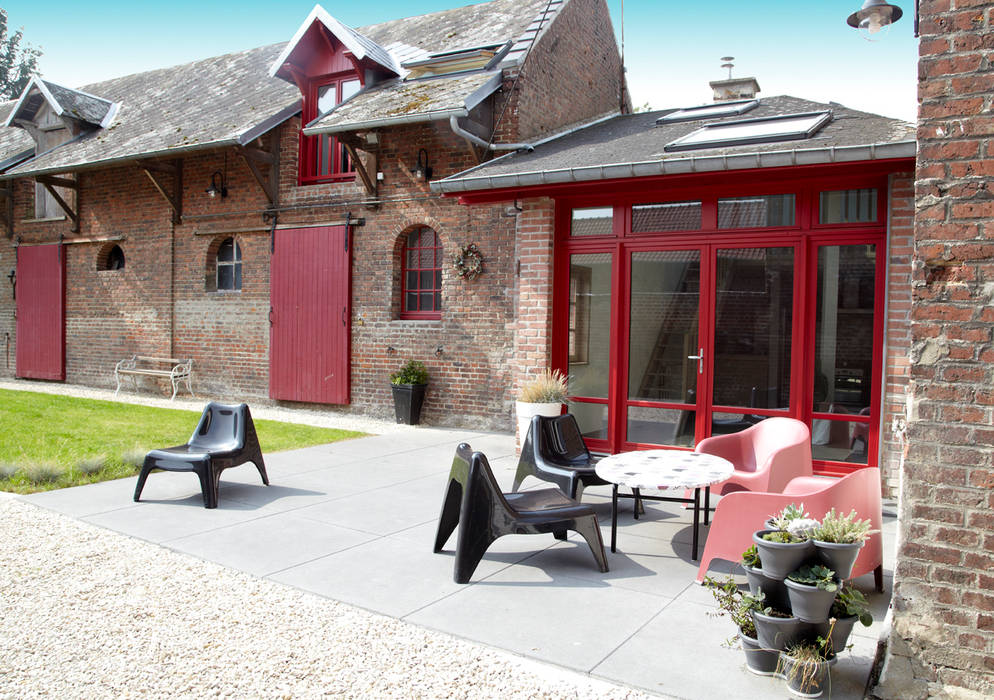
(533, 330)
(943, 618)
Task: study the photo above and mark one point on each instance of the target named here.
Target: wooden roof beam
(365, 171)
(259, 160)
(50, 182)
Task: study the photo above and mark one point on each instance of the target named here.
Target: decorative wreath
(468, 262)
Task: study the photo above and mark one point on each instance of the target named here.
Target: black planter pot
(840, 632)
(780, 558)
(839, 557)
(777, 632)
(774, 590)
(809, 603)
(762, 662)
(407, 401)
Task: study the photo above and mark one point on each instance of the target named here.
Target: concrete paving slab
(80, 501)
(167, 520)
(269, 544)
(560, 619)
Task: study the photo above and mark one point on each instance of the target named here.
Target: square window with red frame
(422, 275)
(322, 157)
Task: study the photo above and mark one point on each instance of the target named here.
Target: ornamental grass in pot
(543, 395)
(838, 539)
(806, 668)
(739, 607)
(811, 590)
(785, 542)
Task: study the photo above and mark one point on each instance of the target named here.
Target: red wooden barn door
(41, 307)
(310, 315)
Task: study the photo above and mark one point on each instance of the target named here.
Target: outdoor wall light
(875, 16)
(422, 170)
(219, 185)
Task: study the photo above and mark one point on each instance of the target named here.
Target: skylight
(722, 109)
(787, 127)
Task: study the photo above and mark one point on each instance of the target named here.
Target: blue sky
(672, 49)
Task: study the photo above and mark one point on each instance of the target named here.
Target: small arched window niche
(223, 271)
(421, 276)
(110, 257)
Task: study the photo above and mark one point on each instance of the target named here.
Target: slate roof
(632, 146)
(398, 101)
(63, 101)
(12, 141)
(205, 104)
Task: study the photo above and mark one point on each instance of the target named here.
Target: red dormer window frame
(322, 158)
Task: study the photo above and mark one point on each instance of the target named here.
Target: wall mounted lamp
(219, 185)
(873, 17)
(422, 171)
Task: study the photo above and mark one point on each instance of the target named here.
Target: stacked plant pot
(806, 607)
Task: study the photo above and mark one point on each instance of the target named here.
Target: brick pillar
(942, 639)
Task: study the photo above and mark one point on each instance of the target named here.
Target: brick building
(942, 637)
(186, 212)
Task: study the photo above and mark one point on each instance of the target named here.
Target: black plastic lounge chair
(225, 437)
(554, 451)
(474, 502)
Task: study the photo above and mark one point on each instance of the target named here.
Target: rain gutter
(431, 116)
(676, 166)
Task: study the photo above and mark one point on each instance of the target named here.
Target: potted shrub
(408, 385)
(838, 540)
(806, 667)
(543, 395)
(784, 544)
(774, 591)
(850, 605)
(811, 589)
(739, 607)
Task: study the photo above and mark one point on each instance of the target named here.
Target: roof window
(724, 109)
(787, 127)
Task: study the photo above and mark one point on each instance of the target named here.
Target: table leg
(697, 520)
(638, 502)
(614, 516)
(707, 505)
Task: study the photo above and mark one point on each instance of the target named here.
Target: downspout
(474, 139)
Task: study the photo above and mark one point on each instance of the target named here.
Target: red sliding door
(41, 310)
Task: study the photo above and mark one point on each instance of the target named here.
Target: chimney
(733, 88)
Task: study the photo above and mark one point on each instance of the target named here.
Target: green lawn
(50, 442)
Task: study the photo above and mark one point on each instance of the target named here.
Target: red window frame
(312, 147)
(421, 313)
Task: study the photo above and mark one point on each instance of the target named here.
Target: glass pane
(226, 253)
(592, 419)
(594, 221)
(225, 279)
(412, 280)
(238, 276)
(349, 88)
(412, 302)
(238, 251)
(725, 423)
(327, 97)
(427, 280)
(438, 301)
(663, 327)
(753, 212)
(848, 206)
(753, 325)
(844, 328)
(414, 239)
(672, 216)
(839, 441)
(427, 301)
(412, 257)
(438, 279)
(661, 426)
(427, 238)
(590, 377)
(427, 257)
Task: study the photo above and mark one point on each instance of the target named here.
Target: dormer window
(323, 158)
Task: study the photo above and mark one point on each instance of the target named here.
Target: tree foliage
(17, 63)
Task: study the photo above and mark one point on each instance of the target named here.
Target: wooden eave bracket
(258, 160)
(50, 182)
(7, 194)
(366, 171)
(156, 169)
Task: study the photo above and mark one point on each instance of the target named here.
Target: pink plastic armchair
(766, 456)
(738, 515)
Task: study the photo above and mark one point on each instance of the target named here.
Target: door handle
(700, 359)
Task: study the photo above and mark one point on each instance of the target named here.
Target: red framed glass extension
(323, 158)
(691, 311)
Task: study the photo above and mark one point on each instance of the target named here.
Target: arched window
(110, 257)
(229, 266)
(422, 275)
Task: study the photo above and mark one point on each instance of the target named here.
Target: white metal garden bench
(174, 370)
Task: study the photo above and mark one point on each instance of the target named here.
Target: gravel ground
(85, 612)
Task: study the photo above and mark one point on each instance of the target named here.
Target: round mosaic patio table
(661, 470)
